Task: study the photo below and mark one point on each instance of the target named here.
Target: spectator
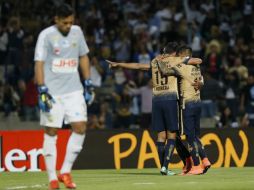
(11, 100)
(165, 16)
(3, 44)
(30, 101)
(105, 117)
(123, 114)
(146, 103)
(213, 59)
(122, 47)
(143, 55)
(209, 93)
(93, 122)
(240, 70)
(227, 120)
(247, 103)
(16, 35)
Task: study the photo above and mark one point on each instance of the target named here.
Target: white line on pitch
(151, 183)
(24, 187)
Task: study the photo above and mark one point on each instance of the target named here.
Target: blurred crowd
(219, 32)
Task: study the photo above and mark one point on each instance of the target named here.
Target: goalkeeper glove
(89, 94)
(45, 99)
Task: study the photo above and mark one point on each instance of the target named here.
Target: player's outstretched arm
(193, 61)
(136, 66)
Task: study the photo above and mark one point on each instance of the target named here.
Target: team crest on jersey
(65, 43)
(74, 44)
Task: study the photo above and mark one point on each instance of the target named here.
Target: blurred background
(219, 31)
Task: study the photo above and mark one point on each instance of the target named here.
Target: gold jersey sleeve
(189, 74)
(167, 63)
(162, 85)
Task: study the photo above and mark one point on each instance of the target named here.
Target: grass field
(132, 179)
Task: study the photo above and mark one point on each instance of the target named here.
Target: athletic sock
(161, 151)
(169, 148)
(201, 149)
(193, 148)
(49, 153)
(73, 149)
(181, 150)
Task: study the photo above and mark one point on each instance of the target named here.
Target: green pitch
(132, 179)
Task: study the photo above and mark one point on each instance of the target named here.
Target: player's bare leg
(74, 146)
(50, 153)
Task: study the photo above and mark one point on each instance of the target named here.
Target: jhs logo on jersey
(65, 65)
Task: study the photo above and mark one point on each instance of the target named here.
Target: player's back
(164, 87)
(189, 74)
(164, 103)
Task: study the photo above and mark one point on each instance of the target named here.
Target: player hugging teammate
(190, 107)
(165, 107)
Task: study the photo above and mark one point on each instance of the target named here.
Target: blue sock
(193, 149)
(169, 148)
(201, 149)
(161, 151)
(181, 150)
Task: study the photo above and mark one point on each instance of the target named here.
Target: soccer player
(164, 105)
(60, 50)
(191, 107)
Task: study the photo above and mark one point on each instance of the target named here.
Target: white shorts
(68, 108)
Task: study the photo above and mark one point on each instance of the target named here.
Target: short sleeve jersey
(163, 86)
(188, 74)
(60, 55)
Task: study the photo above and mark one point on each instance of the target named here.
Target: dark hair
(64, 10)
(184, 48)
(171, 47)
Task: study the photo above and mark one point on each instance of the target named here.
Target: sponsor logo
(56, 51)
(13, 156)
(66, 63)
(226, 153)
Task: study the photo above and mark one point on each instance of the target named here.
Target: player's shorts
(68, 108)
(191, 118)
(165, 115)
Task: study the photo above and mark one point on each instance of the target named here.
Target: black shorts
(191, 118)
(165, 115)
